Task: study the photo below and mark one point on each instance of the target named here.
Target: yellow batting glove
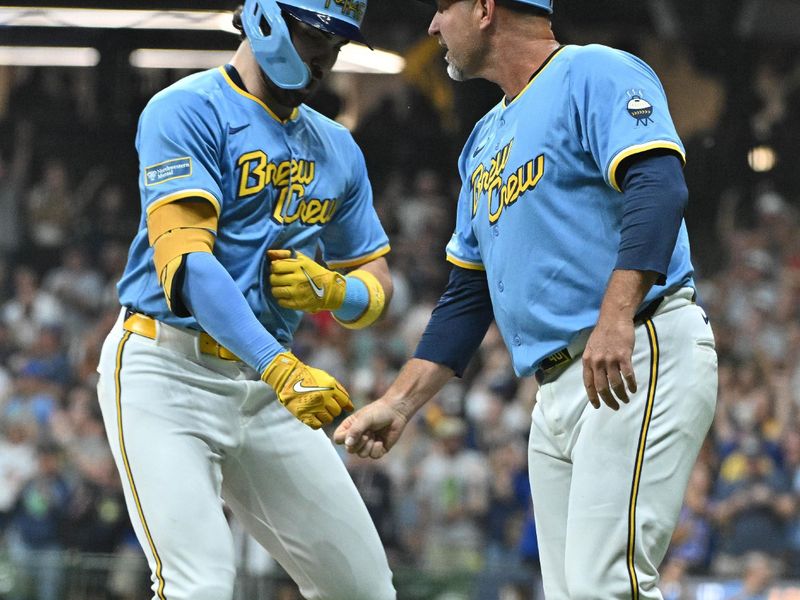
(300, 283)
(311, 395)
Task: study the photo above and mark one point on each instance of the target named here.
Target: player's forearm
(624, 294)
(418, 381)
(221, 310)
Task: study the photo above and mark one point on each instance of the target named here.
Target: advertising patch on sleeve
(168, 170)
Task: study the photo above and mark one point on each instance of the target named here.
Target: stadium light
(103, 18)
(353, 58)
(48, 56)
(762, 159)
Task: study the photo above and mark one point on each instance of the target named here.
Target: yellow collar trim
(538, 72)
(258, 101)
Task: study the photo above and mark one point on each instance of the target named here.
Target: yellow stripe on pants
(637, 471)
(134, 493)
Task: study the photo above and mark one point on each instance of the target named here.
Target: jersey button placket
(517, 340)
(500, 286)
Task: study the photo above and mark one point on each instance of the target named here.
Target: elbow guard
(175, 230)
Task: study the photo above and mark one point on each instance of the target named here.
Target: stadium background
(69, 207)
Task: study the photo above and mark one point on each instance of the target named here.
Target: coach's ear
(174, 230)
(486, 9)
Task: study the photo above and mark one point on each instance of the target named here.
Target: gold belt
(146, 326)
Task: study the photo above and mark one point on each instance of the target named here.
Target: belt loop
(198, 349)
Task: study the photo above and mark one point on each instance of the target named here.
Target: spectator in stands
(17, 460)
(35, 543)
(509, 499)
(753, 510)
(111, 220)
(52, 207)
(404, 469)
(758, 575)
(77, 286)
(113, 257)
(375, 487)
(791, 448)
(30, 308)
(78, 429)
(691, 541)
(34, 397)
(453, 491)
(95, 519)
(673, 578)
(49, 353)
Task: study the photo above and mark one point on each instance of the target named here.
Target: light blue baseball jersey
(300, 184)
(540, 208)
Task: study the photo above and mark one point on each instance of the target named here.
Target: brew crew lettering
(292, 206)
(500, 192)
(290, 178)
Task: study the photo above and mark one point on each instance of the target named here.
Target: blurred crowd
(453, 495)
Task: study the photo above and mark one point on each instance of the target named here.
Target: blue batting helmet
(272, 45)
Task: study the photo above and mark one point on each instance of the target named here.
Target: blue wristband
(356, 300)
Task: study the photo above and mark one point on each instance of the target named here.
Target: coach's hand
(371, 431)
(607, 367)
(300, 283)
(310, 394)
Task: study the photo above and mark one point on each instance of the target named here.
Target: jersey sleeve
(179, 142)
(620, 109)
(462, 249)
(355, 235)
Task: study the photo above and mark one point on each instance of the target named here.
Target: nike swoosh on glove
(300, 283)
(313, 396)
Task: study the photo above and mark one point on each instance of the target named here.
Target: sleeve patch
(168, 170)
(639, 108)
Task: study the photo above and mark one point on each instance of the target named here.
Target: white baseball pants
(188, 430)
(608, 486)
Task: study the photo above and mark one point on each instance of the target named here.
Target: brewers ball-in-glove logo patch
(639, 108)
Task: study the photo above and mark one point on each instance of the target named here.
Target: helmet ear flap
(269, 37)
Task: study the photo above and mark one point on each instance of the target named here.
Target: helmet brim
(326, 23)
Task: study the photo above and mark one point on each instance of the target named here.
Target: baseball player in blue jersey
(242, 186)
(570, 235)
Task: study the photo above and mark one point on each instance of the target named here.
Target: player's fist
(371, 431)
(300, 283)
(311, 395)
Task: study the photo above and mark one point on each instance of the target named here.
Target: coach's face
(318, 50)
(455, 25)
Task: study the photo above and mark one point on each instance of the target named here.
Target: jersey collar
(506, 102)
(232, 77)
